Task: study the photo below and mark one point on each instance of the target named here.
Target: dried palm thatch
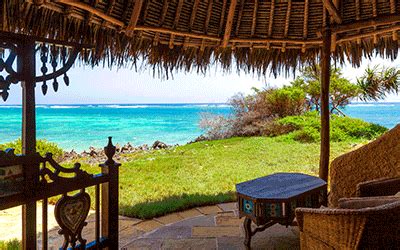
(259, 36)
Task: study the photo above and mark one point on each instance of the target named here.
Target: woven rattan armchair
(379, 187)
(358, 223)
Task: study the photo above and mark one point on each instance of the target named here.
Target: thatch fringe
(167, 52)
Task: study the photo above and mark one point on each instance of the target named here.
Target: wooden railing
(31, 178)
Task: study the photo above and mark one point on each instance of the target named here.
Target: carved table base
(249, 233)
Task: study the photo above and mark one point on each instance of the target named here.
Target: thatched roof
(182, 34)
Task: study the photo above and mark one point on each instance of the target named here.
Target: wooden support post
(109, 198)
(26, 65)
(325, 82)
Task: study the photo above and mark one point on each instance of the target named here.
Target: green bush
(308, 127)
(307, 134)
(286, 101)
(272, 129)
(357, 128)
(13, 244)
(42, 147)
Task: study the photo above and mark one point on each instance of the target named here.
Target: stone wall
(380, 158)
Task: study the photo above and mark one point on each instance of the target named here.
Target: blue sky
(102, 85)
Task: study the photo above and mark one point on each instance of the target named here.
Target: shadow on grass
(148, 210)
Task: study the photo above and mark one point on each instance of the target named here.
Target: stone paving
(209, 227)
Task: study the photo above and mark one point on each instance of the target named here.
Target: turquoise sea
(80, 126)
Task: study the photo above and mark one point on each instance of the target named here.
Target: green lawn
(159, 182)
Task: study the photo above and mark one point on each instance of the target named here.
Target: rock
(199, 138)
(144, 147)
(126, 148)
(159, 145)
(93, 153)
(97, 155)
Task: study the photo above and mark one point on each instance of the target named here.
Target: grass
(155, 183)
(159, 182)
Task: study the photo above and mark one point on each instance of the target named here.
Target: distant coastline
(153, 105)
(119, 104)
(79, 126)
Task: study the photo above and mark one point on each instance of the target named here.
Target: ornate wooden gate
(30, 178)
(41, 177)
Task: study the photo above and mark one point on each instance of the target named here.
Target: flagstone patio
(209, 227)
(212, 227)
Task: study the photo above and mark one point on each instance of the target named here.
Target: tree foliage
(373, 85)
(377, 82)
(286, 101)
(257, 113)
(341, 90)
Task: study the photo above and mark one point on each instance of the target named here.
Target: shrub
(357, 128)
(307, 134)
(286, 101)
(215, 126)
(307, 128)
(42, 147)
(250, 113)
(253, 115)
(275, 129)
(13, 244)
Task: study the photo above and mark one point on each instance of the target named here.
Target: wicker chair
(358, 223)
(379, 187)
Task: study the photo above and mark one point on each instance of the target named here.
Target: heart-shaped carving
(71, 212)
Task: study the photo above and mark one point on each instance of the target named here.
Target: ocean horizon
(79, 126)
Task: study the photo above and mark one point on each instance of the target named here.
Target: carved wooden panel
(56, 58)
(9, 51)
(11, 176)
(44, 178)
(51, 171)
(71, 213)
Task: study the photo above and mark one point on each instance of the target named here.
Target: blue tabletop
(279, 186)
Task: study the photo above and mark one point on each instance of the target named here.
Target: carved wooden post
(26, 66)
(109, 197)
